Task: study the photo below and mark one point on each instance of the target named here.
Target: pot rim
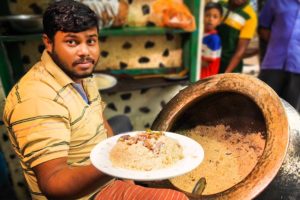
(275, 118)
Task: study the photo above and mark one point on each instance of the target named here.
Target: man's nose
(83, 50)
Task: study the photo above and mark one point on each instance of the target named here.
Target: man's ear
(47, 42)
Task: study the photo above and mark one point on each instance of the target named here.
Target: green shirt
(238, 23)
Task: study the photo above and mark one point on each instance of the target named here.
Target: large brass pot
(245, 104)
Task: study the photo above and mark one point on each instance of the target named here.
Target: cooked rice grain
(138, 157)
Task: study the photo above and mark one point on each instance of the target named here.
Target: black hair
(215, 5)
(68, 16)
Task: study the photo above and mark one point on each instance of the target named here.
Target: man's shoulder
(35, 83)
(250, 11)
(30, 92)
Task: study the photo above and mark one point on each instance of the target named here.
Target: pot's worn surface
(243, 104)
(287, 181)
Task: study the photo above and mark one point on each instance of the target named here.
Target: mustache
(83, 60)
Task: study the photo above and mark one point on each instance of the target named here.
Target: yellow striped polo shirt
(239, 23)
(243, 20)
(47, 118)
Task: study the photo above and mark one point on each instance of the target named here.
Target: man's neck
(79, 81)
(232, 6)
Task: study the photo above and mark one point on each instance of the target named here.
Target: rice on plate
(145, 151)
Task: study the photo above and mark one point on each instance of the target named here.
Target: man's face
(75, 53)
(238, 3)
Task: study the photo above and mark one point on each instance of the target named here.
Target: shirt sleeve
(41, 130)
(249, 29)
(211, 47)
(266, 15)
(215, 42)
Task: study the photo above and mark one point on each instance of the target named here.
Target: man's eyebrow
(93, 35)
(71, 35)
(75, 36)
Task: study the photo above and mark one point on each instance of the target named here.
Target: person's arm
(264, 34)
(57, 180)
(238, 55)
(266, 18)
(246, 34)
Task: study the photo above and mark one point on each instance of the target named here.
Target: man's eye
(71, 42)
(91, 42)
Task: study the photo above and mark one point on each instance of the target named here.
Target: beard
(72, 73)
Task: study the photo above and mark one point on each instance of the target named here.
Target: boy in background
(211, 43)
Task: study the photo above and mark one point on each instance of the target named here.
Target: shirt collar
(62, 78)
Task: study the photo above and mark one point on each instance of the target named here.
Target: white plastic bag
(107, 10)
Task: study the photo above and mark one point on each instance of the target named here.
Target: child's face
(212, 18)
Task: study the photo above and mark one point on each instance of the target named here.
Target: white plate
(193, 156)
(105, 81)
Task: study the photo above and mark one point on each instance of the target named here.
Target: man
(279, 26)
(236, 31)
(54, 114)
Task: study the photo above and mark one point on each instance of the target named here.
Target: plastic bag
(110, 12)
(174, 14)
